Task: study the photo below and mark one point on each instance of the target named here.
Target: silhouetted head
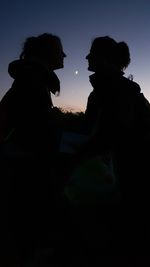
(106, 52)
(46, 49)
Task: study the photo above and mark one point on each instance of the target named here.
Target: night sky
(77, 23)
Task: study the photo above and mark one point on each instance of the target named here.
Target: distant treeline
(68, 120)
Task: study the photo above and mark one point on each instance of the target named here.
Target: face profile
(46, 49)
(95, 60)
(56, 60)
(92, 62)
(89, 59)
(106, 53)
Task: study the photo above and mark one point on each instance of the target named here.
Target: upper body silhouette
(118, 120)
(25, 108)
(117, 113)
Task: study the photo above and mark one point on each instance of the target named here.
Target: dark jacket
(116, 108)
(118, 119)
(25, 110)
(113, 96)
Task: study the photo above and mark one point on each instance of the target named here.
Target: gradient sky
(77, 23)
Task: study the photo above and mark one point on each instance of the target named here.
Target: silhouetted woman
(29, 142)
(118, 119)
(26, 107)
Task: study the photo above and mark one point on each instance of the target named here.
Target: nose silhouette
(87, 56)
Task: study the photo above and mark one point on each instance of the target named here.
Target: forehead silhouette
(103, 44)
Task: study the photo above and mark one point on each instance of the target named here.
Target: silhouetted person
(29, 142)
(26, 106)
(118, 119)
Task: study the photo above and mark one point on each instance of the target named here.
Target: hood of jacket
(24, 68)
(113, 83)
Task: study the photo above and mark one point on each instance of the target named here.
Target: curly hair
(39, 45)
(116, 53)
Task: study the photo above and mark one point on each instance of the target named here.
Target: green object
(92, 182)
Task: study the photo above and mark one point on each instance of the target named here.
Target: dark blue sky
(77, 23)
